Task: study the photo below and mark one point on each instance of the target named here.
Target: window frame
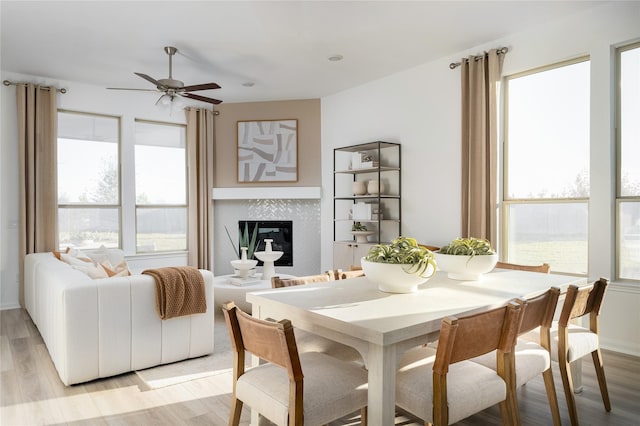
(119, 205)
(620, 199)
(506, 202)
(161, 206)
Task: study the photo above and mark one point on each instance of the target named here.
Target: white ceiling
(282, 47)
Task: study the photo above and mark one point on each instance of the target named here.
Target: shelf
(368, 197)
(369, 146)
(368, 170)
(367, 220)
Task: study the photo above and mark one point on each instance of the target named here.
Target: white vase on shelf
(375, 187)
(358, 188)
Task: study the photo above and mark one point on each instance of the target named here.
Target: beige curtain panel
(37, 141)
(480, 77)
(200, 144)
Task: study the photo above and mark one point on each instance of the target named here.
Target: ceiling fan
(171, 88)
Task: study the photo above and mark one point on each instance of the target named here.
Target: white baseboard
(632, 349)
(8, 306)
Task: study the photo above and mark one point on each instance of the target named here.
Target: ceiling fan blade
(202, 98)
(125, 88)
(146, 77)
(204, 86)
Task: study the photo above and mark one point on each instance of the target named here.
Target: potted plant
(244, 240)
(245, 265)
(466, 258)
(399, 267)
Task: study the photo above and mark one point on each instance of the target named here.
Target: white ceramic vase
(358, 188)
(374, 187)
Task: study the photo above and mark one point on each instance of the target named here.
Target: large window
(161, 187)
(628, 133)
(88, 180)
(546, 167)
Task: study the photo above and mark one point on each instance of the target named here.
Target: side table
(224, 291)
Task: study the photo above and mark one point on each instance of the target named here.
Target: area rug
(219, 362)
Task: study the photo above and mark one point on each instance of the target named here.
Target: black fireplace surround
(280, 231)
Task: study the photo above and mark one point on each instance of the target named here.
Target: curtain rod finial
(6, 83)
(453, 65)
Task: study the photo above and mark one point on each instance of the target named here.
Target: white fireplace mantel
(270, 193)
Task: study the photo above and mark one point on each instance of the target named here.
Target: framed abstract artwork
(268, 151)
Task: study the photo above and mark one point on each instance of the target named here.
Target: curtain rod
(501, 51)
(11, 83)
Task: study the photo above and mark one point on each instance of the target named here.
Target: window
(546, 167)
(628, 135)
(88, 180)
(161, 187)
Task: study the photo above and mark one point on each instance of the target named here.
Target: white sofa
(102, 327)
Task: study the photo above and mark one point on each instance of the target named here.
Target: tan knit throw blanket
(179, 291)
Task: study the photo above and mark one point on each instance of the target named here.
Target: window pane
(161, 229)
(88, 228)
(160, 164)
(555, 233)
(548, 134)
(629, 122)
(629, 253)
(87, 159)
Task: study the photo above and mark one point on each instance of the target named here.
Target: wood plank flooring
(31, 393)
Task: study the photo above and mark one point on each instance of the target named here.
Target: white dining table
(382, 326)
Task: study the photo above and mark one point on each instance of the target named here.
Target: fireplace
(280, 231)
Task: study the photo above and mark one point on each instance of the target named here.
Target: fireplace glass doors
(280, 231)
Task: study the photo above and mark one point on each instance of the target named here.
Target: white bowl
(244, 266)
(465, 268)
(393, 278)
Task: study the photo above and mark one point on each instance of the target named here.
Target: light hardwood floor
(32, 394)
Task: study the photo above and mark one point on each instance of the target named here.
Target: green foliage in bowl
(405, 251)
(244, 240)
(468, 247)
(357, 226)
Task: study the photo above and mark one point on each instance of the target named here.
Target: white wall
(79, 97)
(420, 109)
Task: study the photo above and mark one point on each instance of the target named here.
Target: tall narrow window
(546, 167)
(628, 133)
(88, 180)
(161, 187)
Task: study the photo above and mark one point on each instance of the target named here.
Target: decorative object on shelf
(399, 267)
(243, 266)
(243, 237)
(268, 257)
(466, 259)
(267, 151)
(361, 236)
(374, 187)
(358, 226)
(358, 187)
(360, 232)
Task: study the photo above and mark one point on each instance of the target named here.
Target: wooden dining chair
(430, 247)
(570, 342)
(277, 282)
(532, 358)
(310, 342)
(291, 388)
(442, 386)
(343, 275)
(545, 268)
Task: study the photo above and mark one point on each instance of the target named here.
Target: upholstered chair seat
(331, 389)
